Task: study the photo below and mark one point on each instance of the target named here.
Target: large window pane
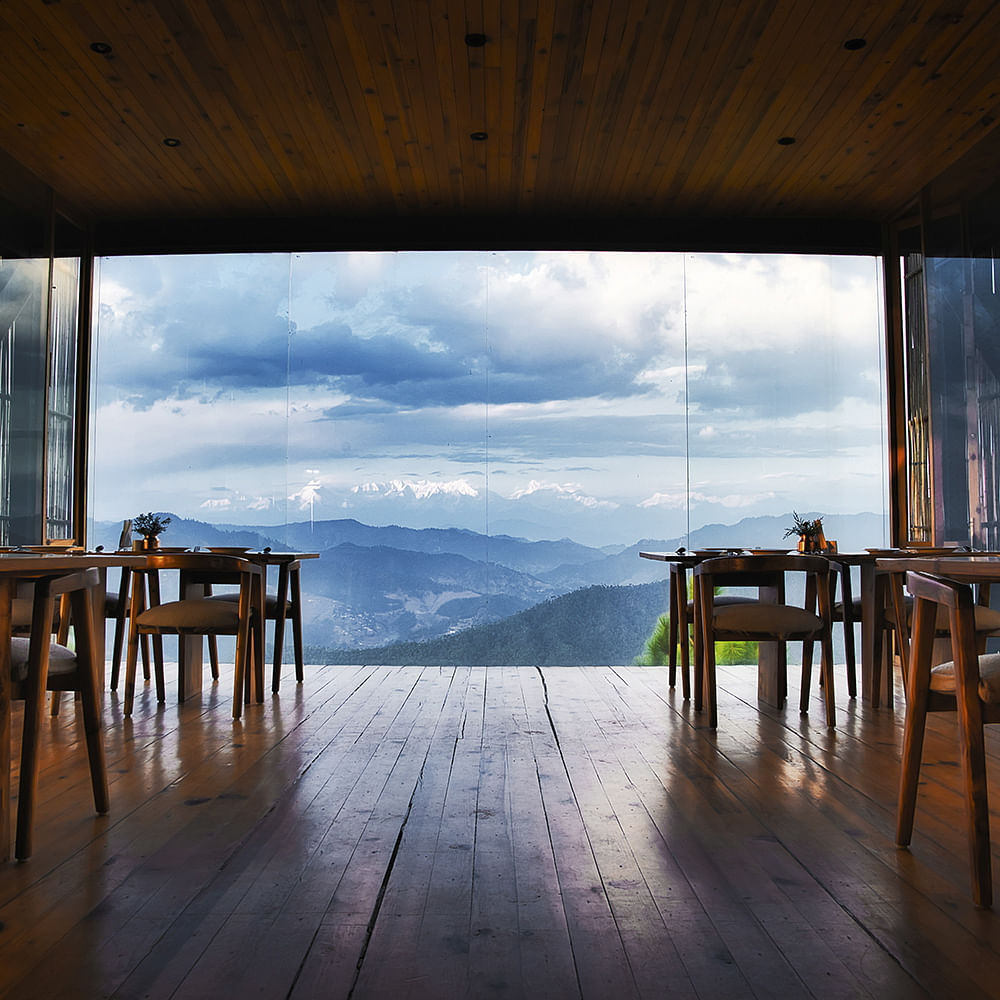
(23, 285)
(786, 394)
(61, 432)
(469, 436)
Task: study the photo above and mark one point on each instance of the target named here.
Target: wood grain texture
(593, 110)
(566, 832)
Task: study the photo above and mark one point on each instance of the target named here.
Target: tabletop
(969, 566)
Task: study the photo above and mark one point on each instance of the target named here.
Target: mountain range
(376, 586)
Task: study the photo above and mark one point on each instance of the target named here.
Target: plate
(229, 550)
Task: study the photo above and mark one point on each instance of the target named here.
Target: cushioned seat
(62, 659)
(270, 602)
(760, 620)
(943, 678)
(195, 615)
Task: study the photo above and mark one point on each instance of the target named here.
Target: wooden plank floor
(471, 832)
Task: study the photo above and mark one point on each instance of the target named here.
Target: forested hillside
(596, 625)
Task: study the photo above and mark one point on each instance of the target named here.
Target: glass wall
(23, 303)
(39, 336)
(482, 439)
(952, 327)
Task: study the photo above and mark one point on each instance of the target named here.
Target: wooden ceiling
(380, 114)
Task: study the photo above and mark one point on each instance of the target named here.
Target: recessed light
(479, 136)
(475, 40)
(853, 44)
(787, 140)
(101, 48)
(171, 142)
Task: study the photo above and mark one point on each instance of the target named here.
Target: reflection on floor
(566, 832)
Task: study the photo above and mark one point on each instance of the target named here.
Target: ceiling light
(787, 140)
(101, 48)
(853, 44)
(475, 40)
(172, 143)
(479, 136)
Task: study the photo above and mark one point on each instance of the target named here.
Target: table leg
(772, 669)
(189, 649)
(6, 595)
(869, 614)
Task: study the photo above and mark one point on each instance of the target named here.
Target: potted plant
(810, 533)
(149, 526)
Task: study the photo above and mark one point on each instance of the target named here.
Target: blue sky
(593, 385)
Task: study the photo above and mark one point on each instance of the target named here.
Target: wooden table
(769, 687)
(190, 648)
(771, 664)
(15, 566)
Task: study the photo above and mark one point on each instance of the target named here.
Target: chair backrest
(760, 570)
(198, 567)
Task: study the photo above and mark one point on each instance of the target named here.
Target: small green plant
(657, 650)
(150, 525)
(804, 528)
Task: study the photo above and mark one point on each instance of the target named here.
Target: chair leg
(829, 695)
(807, 648)
(699, 653)
(918, 682)
(850, 653)
(711, 691)
(672, 637)
(297, 631)
(87, 673)
(137, 604)
(121, 618)
(257, 647)
(34, 693)
(973, 753)
(684, 630)
(705, 662)
(213, 656)
(806, 682)
(281, 603)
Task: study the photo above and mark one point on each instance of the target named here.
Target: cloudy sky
(642, 388)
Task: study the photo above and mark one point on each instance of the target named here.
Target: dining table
(771, 662)
(875, 688)
(15, 567)
(190, 648)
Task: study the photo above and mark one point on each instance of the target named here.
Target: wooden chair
(766, 619)
(684, 632)
(202, 616)
(969, 685)
(37, 665)
(847, 611)
(896, 624)
(117, 606)
(282, 606)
